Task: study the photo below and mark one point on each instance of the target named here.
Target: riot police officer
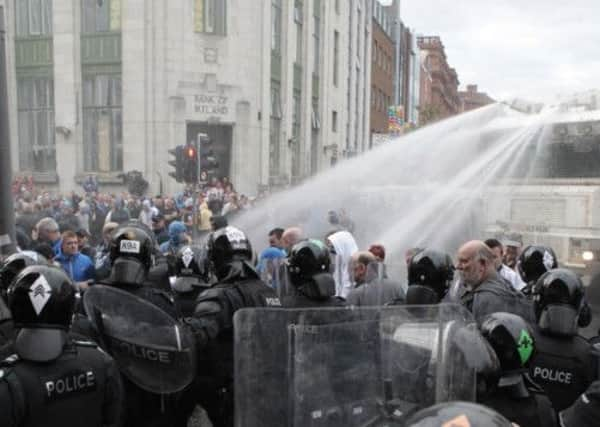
(585, 412)
(534, 261)
(132, 255)
(457, 414)
(563, 364)
(430, 274)
(537, 260)
(9, 269)
(308, 273)
(238, 286)
(53, 380)
(512, 393)
(189, 277)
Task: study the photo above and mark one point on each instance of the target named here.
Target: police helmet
(16, 262)
(189, 268)
(558, 297)
(457, 414)
(42, 300)
(131, 254)
(226, 245)
(511, 337)
(430, 274)
(535, 261)
(307, 259)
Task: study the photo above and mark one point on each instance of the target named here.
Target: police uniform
(80, 388)
(53, 380)
(563, 366)
(307, 271)
(531, 408)
(212, 325)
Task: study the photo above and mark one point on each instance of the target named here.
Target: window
(336, 57)
(35, 103)
(358, 22)
(210, 16)
(316, 36)
(315, 121)
(296, 126)
(334, 121)
(298, 43)
(276, 26)
(102, 123)
(296, 115)
(298, 13)
(100, 16)
(275, 100)
(33, 17)
(275, 129)
(337, 6)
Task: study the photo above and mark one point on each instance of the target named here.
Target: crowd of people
(43, 218)
(534, 369)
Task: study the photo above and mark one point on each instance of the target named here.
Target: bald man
(483, 290)
(369, 289)
(290, 237)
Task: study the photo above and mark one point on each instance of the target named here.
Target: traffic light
(177, 163)
(190, 164)
(208, 160)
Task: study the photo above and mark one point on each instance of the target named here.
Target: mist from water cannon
(426, 189)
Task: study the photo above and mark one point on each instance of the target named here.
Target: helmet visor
(40, 344)
(559, 320)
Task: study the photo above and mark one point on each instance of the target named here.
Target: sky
(531, 49)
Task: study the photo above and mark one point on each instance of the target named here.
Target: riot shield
(150, 347)
(349, 366)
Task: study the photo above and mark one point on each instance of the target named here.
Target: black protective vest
(531, 411)
(214, 380)
(79, 389)
(563, 367)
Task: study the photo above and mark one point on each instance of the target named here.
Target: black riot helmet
(557, 301)
(225, 246)
(16, 262)
(430, 274)
(307, 258)
(535, 261)
(41, 299)
(511, 337)
(457, 414)
(189, 269)
(131, 254)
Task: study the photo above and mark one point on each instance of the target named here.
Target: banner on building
(395, 118)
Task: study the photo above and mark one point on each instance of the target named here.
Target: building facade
(383, 71)
(109, 86)
(472, 99)
(405, 95)
(439, 91)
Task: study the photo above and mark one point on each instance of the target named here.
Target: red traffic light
(191, 152)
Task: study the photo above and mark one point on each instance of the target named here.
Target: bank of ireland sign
(212, 105)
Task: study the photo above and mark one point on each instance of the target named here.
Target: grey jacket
(494, 295)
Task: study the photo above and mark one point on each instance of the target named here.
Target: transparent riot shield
(371, 366)
(273, 273)
(150, 347)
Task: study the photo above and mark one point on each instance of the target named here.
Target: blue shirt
(79, 267)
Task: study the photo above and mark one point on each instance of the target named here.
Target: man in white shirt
(506, 272)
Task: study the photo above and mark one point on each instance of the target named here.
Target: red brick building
(382, 78)
(472, 99)
(439, 83)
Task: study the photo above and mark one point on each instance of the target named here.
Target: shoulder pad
(210, 294)
(81, 343)
(10, 360)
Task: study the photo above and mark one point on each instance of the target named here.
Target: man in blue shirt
(79, 267)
